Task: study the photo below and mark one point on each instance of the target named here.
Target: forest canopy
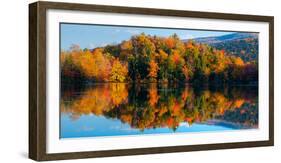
(145, 58)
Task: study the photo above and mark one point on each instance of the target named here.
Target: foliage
(118, 72)
(153, 70)
(145, 58)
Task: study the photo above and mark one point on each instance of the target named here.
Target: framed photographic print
(111, 81)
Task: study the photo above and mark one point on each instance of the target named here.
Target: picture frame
(38, 78)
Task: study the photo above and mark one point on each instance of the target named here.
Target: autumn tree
(153, 70)
(143, 49)
(163, 62)
(70, 69)
(126, 50)
(88, 64)
(119, 71)
(175, 64)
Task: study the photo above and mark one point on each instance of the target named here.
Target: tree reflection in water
(148, 106)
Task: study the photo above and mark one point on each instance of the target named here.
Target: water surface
(115, 109)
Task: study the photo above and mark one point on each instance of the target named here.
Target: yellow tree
(101, 66)
(87, 62)
(118, 72)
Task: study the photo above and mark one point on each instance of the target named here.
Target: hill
(243, 45)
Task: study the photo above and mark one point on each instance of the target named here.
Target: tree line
(145, 58)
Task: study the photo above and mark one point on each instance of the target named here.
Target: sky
(92, 36)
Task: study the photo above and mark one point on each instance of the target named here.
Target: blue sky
(91, 36)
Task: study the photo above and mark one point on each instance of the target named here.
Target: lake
(116, 109)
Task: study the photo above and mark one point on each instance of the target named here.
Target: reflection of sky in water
(91, 125)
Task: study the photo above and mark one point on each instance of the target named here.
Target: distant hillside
(247, 49)
(225, 38)
(244, 45)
